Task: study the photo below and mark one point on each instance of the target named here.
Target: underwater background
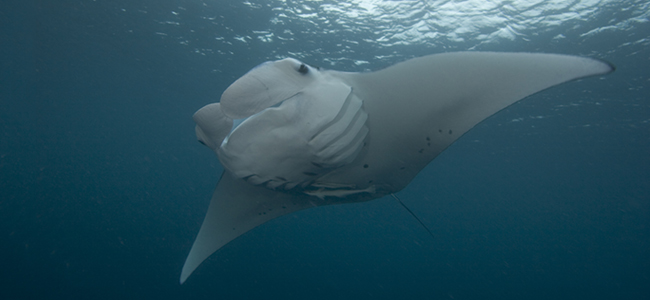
(103, 186)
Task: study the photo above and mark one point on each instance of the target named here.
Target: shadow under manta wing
(292, 137)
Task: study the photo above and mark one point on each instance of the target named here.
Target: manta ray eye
(303, 69)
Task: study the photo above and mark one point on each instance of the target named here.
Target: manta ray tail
(412, 214)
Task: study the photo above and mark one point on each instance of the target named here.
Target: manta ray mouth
(237, 122)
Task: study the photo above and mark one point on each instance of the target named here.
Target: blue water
(103, 186)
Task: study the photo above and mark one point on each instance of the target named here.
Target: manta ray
(291, 136)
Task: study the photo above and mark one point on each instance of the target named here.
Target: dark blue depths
(103, 185)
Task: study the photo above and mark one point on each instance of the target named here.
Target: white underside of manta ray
(291, 136)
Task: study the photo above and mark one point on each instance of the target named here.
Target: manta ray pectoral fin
(419, 107)
(237, 207)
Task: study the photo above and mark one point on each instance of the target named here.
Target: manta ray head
(284, 125)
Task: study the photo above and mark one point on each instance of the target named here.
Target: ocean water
(103, 186)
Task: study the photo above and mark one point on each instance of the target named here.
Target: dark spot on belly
(402, 168)
(284, 207)
(429, 144)
(421, 150)
(365, 166)
(440, 130)
(428, 138)
(449, 131)
(369, 181)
